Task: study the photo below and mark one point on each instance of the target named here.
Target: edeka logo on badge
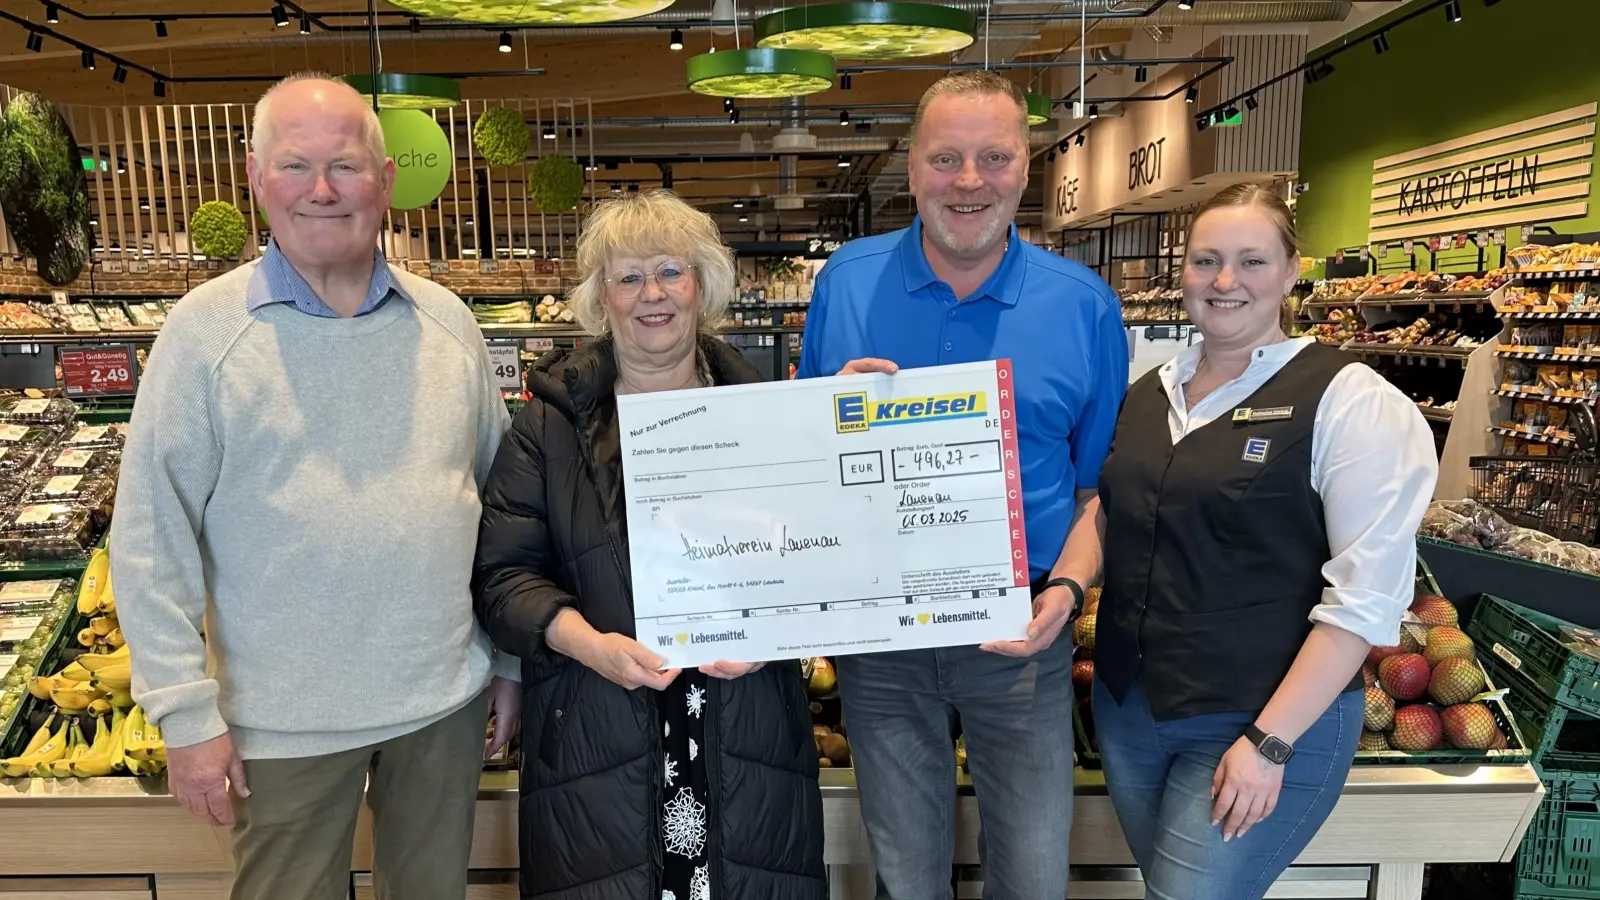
(853, 412)
(1255, 449)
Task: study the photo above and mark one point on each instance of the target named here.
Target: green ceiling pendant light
(534, 12)
(1038, 108)
(760, 73)
(882, 30)
(400, 91)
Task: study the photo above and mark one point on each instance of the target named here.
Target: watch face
(1275, 750)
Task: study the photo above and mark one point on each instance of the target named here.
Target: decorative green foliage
(42, 187)
(555, 184)
(501, 136)
(557, 12)
(218, 229)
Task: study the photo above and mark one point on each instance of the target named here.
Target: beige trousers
(293, 837)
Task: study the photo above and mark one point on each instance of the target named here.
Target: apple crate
(1530, 642)
(1560, 739)
(1560, 852)
(1516, 751)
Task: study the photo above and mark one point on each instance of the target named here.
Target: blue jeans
(1159, 777)
(899, 712)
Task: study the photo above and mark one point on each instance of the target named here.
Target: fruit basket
(1537, 646)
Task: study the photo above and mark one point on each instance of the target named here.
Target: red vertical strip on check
(1012, 465)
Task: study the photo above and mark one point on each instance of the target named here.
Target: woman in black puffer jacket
(636, 784)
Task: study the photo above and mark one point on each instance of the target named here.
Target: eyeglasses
(672, 275)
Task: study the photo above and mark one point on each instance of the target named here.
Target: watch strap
(1074, 587)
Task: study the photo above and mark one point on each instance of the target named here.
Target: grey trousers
(293, 836)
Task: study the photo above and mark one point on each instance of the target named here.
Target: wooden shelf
(1540, 395)
(1529, 436)
(1435, 414)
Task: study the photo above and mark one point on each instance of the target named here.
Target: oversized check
(850, 514)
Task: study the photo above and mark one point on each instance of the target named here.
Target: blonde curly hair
(641, 226)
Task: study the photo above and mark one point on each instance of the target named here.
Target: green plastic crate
(1529, 642)
(1560, 853)
(1559, 739)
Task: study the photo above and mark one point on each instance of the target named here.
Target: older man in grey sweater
(295, 530)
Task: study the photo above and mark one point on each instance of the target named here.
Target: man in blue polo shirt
(960, 286)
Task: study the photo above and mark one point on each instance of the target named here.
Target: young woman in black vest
(1260, 505)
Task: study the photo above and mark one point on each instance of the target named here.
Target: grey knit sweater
(307, 490)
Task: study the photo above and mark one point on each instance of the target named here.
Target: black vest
(1215, 547)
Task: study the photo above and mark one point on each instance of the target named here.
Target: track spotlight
(1140, 74)
(733, 115)
(863, 127)
(1452, 11)
(416, 25)
(161, 90)
(1231, 112)
(1191, 95)
(738, 204)
(52, 14)
(88, 60)
(633, 188)
(119, 74)
(677, 40)
(844, 117)
(549, 132)
(1050, 157)
(1381, 43)
(1201, 123)
(744, 218)
(844, 82)
(280, 16)
(1079, 140)
(161, 28)
(1324, 69)
(1251, 103)
(505, 42)
(122, 167)
(305, 24)
(844, 162)
(727, 104)
(1062, 147)
(35, 41)
(1094, 110)
(1186, 4)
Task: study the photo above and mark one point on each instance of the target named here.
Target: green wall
(1439, 80)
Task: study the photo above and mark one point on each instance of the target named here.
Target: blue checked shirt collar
(276, 281)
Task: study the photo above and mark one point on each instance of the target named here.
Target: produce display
(1428, 692)
(552, 310)
(30, 612)
(89, 694)
(1471, 523)
(516, 312)
(1341, 290)
(1412, 283)
(57, 479)
(101, 315)
(1342, 325)
(1432, 330)
(1157, 304)
(1552, 297)
(1536, 258)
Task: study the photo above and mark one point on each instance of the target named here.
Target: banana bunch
(94, 683)
(97, 600)
(128, 744)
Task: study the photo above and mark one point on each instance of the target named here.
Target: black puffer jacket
(554, 535)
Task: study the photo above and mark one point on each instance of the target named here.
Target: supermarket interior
(1438, 157)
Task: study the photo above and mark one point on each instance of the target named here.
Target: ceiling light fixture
(505, 42)
(881, 30)
(1064, 145)
(122, 167)
(1186, 4)
(1452, 11)
(844, 117)
(161, 90)
(88, 60)
(1094, 110)
(1251, 103)
(35, 41)
(761, 72)
(397, 90)
(161, 28)
(549, 132)
(1191, 95)
(1202, 122)
(280, 16)
(305, 24)
(863, 126)
(533, 12)
(676, 43)
(744, 218)
(844, 82)
(1079, 140)
(119, 74)
(1038, 108)
(844, 162)
(52, 14)
(738, 204)
(416, 25)
(1381, 43)
(733, 114)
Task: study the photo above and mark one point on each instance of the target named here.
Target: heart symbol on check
(923, 618)
(683, 639)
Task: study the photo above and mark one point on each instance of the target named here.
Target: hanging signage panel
(1500, 176)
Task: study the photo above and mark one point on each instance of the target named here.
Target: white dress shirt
(1372, 463)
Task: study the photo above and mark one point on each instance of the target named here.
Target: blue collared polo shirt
(1058, 323)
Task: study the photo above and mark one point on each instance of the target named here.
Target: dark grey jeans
(899, 709)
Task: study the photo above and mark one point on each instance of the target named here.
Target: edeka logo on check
(977, 615)
(718, 637)
(854, 412)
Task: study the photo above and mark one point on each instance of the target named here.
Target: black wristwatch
(1271, 747)
(1077, 594)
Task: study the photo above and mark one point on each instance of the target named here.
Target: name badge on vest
(1255, 449)
(1245, 415)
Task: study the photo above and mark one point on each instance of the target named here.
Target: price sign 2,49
(107, 369)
